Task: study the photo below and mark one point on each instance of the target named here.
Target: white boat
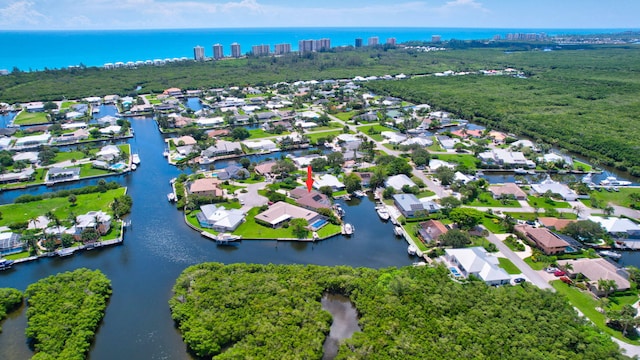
(65, 252)
(135, 159)
(347, 229)
(610, 254)
(6, 264)
(358, 193)
(519, 171)
(134, 167)
(412, 249)
(315, 236)
(397, 230)
(171, 197)
(383, 213)
(227, 239)
(165, 153)
(613, 181)
(587, 179)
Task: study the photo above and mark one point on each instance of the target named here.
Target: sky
(173, 14)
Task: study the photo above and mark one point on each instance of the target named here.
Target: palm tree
(567, 267)
(608, 211)
(607, 286)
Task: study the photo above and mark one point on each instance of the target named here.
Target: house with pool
(279, 213)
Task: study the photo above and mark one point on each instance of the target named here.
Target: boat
(171, 197)
(339, 210)
(65, 252)
(6, 264)
(165, 153)
(134, 166)
(347, 229)
(613, 181)
(227, 239)
(383, 213)
(587, 179)
(610, 254)
(358, 193)
(397, 230)
(419, 263)
(135, 159)
(519, 171)
(412, 249)
(315, 236)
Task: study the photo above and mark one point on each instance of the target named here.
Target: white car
(551, 270)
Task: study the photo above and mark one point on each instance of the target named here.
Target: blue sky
(167, 14)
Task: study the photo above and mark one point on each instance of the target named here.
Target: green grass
(579, 165)
(587, 305)
(345, 116)
(412, 229)
(251, 180)
(485, 199)
(61, 207)
(377, 129)
(492, 223)
(547, 203)
(508, 266)
(467, 160)
(621, 197)
(332, 125)
(535, 265)
(252, 230)
(67, 104)
(16, 256)
(425, 193)
(71, 155)
(313, 137)
(27, 118)
(232, 188)
(87, 170)
(435, 147)
(259, 134)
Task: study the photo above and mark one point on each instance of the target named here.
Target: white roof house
(447, 142)
(302, 161)
(328, 180)
(434, 164)
(475, 261)
(616, 225)
(5, 142)
(28, 156)
(393, 137)
(260, 144)
(398, 181)
(111, 129)
(210, 121)
(74, 125)
(33, 140)
(108, 152)
(556, 188)
(306, 124)
(219, 218)
(308, 115)
(108, 119)
(506, 158)
(422, 141)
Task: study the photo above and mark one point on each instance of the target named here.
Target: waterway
(159, 246)
(344, 324)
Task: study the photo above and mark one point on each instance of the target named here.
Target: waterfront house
(12, 177)
(264, 168)
(545, 240)
(498, 137)
(218, 133)
(233, 172)
(73, 137)
(365, 178)
(435, 164)
(555, 188)
(107, 120)
(10, 242)
(97, 220)
(206, 187)
(446, 142)
(221, 148)
(260, 145)
(410, 206)
(475, 261)
(210, 122)
(430, 231)
(36, 106)
(508, 190)
(393, 137)
(28, 156)
(555, 223)
(32, 141)
(399, 181)
(282, 212)
(108, 153)
(553, 158)
(220, 219)
(111, 99)
(184, 140)
(304, 161)
(506, 158)
(418, 140)
(5, 142)
(328, 180)
(598, 269)
(310, 200)
(625, 231)
(111, 130)
(56, 174)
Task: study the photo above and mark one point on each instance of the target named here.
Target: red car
(559, 273)
(566, 280)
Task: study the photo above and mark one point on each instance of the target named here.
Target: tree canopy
(10, 299)
(274, 312)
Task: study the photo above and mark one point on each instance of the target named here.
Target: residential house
(5, 142)
(210, 122)
(312, 200)
(498, 137)
(418, 140)
(233, 172)
(56, 174)
(399, 181)
(599, 269)
(553, 158)
(76, 136)
(545, 240)
(218, 133)
(328, 180)
(111, 130)
(28, 156)
(206, 187)
(264, 168)
(281, 212)
(446, 142)
(220, 219)
(555, 188)
(36, 106)
(97, 220)
(410, 206)
(12, 177)
(108, 153)
(435, 164)
(625, 231)
(173, 92)
(365, 178)
(184, 140)
(32, 141)
(475, 261)
(260, 145)
(507, 189)
(393, 137)
(10, 242)
(304, 161)
(555, 223)
(110, 99)
(221, 148)
(506, 158)
(430, 231)
(107, 120)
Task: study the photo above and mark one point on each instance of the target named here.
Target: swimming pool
(455, 272)
(319, 223)
(118, 166)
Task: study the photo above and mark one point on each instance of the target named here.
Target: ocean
(37, 50)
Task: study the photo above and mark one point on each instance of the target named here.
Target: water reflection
(345, 322)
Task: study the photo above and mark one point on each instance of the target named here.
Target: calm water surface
(159, 246)
(344, 324)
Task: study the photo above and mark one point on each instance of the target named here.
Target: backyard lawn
(622, 197)
(467, 160)
(61, 207)
(485, 199)
(547, 203)
(492, 223)
(259, 133)
(313, 137)
(345, 116)
(252, 230)
(87, 170)
(373, 131)
(508, 266)
(585, 302)
(27, 118)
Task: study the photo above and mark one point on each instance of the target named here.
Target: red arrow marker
(309, 179)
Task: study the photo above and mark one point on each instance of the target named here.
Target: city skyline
(189, 14)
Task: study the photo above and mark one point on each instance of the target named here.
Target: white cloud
(462, 4)
(20, 13)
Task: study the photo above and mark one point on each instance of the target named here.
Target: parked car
(559, 273)
(519, 280)
(551, 270)
(566, 280)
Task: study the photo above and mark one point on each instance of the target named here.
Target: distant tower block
(198, 53)
(235, 50)
(373, 41)
(436, 38)
(391, 41)
(218, 52)
(358, 42)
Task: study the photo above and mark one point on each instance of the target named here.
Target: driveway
(251, 198)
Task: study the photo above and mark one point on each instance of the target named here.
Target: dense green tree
(449, 203)
(10, 299)
(445, 175)
(466, 218)
(455, 238)
(352, 183)
(299, 228)
(240, 133)
(585, 230)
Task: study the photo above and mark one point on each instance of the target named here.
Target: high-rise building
(436, 38)
(358, 42)
(259, 50)
(218, 52)
(305, 46)
(373, 41)
(391, 41)
(282, 49)
(322, 44)
(198, 53)
(235, 50)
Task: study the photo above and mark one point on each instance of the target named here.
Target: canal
(159, 246)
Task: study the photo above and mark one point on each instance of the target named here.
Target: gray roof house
(398, 181)
(475, 261)
(409, 205)
(219, 218)
(233, 172)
